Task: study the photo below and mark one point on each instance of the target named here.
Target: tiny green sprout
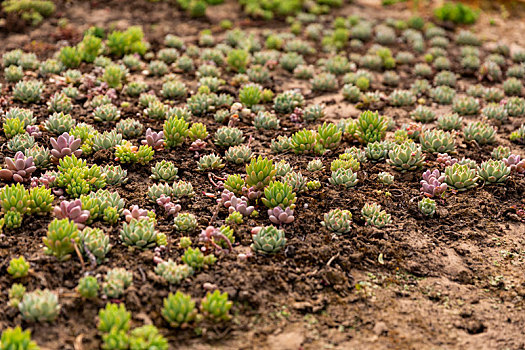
(18, 268)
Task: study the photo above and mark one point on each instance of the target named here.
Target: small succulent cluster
(375, 216)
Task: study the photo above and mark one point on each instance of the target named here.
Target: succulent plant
(494, 171)
(437, 141)
(371, 127)
(153, 139)
(175, 131)
(62, 236)
(423, 114)
(287, 101)
(193, 258)
(344, 177)
(179, 310)
(461, 177)
(433, 184)
(21, 142)
(185, 222)
(172, 272)
(114, 317)
(266, 120)
(449, 122)
(279, 193)
(260, 172)
(216, 306)
(88, 287)
(376, 151)
(72, 210)
(18, 268)
(238, 154)
(480, 132)
(385, 178)
(375, 216)
(60, 102)
(304, 141)
(515, 106)
(96, 242)
(233, 203)
(28, 91)
(515, 163)
(406, 156)
(147, 337)
(338, 221)
(183, 189)
(427, 206)
(16, 293)
(19, 168)
(39, 306)
(443, 94)
(466, 105)
(268, 240)
(116, 282)
(139, 233)
(400, 98)
(15, 338)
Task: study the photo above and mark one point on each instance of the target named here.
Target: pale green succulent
(164, 171)
(494, 171)
(268, 240)
(437, 141)
(427, 206)
(139, 233)
(185, 222)
(39, 306)
(344, 177)
(461, 176)
(172, 272)
(406, 157)
(338, 221)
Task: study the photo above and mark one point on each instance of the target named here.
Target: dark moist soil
(454, 281)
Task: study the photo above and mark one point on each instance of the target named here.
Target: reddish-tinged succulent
(281, 216)
(197, 145)
(515, 163)
(433, 184)
(134, 212)
(65, 145)
(154, 139)
(166, 203)
(212, 234)
(445, 159)
(234, 203)
(72, 210)
(34, 131)
(19, 168)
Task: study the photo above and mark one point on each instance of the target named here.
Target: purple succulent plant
(19, 168)
(297, 115)
(154, 139)
(166, 203)
(34, 131)
(279, 216)
(515, 163)
(433, 184)
(445, 159)
(233, 203)
(210, 234)
(197, 145)
(72, 210)
(251, 193)
(65, 145)
(134, 212)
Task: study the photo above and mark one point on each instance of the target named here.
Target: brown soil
(454, 281)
